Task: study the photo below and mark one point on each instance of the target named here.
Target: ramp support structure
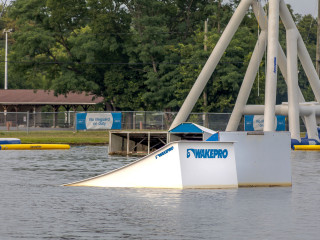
(297, 107)
(211, 63)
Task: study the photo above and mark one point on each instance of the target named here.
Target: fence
(163, 120)
(40, 121)
(26, 121)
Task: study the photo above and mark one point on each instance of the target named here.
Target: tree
(137, 54)
(77, 39)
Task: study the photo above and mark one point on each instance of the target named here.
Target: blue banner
(98, 121)
(256, 123)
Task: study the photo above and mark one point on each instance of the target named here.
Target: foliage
(138, 55)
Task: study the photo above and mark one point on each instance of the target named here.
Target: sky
(304, 6)
(301, 6)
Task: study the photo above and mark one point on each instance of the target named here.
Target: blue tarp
(191, 128)
(10, 141)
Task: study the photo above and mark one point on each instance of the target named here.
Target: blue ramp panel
(194, 129)
(191, 128)
(186, 128)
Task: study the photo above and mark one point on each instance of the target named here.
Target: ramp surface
(176, 165)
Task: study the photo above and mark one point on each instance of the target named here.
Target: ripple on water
(33, 205)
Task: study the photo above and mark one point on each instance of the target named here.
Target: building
(32, 101)
(24, 100)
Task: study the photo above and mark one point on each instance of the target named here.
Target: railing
(40, 121)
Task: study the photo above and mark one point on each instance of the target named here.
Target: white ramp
(184, 164)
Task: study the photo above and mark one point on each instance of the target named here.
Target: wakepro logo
(164, 152)
(207, 153)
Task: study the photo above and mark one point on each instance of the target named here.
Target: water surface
(33, 205)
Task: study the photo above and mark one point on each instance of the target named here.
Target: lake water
(33, 205)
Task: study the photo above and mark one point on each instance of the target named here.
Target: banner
(256, 123)
(97, 121)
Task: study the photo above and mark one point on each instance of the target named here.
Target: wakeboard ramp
(182, 164)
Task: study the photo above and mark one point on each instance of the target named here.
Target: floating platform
(262, 158)
(10, 141)
(237, 159)
(184, 164)
(34, 147)
(306, 147)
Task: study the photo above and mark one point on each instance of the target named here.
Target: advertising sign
(97, 121)
(256, 123)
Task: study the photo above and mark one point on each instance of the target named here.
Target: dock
(136, 142)
(143, 142)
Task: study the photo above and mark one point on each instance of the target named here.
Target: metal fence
(27, 121)
(163, 120)
(40, 121)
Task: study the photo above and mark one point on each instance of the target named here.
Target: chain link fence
(163, 120)
(26, 121)
(43, 121)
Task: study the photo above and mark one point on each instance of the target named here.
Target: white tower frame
(288, 66)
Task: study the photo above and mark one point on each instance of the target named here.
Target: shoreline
(60, 137)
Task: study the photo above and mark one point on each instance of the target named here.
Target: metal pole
(205, 96)
(318, 41)
(74, 121)
(211, 63)
(6, 63)
(292, 82)
(272, 66)
(162, 120)
(303, 54)
(128, 143)
(28, 115)
(309, 120)
(247, 83)
(148, 143)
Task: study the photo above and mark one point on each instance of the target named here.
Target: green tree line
(137, 54)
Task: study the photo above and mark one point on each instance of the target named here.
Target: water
(33, 205)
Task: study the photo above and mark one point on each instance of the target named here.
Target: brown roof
(41, 97)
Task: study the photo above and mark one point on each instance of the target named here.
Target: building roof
(42, 97)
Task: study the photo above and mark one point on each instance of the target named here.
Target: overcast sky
(301, 6)
(304, 6)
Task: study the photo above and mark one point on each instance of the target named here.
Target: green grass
(63, 137)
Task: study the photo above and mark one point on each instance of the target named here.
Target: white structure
(177, 165)
(269, 37)
(6, 31)
(254, 160)
(233, 159)
(262, 159)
